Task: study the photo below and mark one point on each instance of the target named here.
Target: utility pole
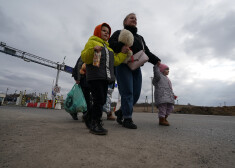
(6, 91)
(146, 104)
(56, 86)
(6, 95)
(152, 91)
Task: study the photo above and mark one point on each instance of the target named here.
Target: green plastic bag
(75, 101)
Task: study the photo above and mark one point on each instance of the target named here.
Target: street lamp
(6, 91)
(6, 95)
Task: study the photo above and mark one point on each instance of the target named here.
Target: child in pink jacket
(164, 96)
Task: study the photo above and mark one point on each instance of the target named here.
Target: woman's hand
(158, 63)
(125, 49)
(97, 48)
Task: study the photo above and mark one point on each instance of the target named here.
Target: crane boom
(33, 58)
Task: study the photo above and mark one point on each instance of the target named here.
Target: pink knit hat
(163, 67)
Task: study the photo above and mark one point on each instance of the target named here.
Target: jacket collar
(99, 40)
(132, 29)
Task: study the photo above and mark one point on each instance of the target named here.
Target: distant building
(2, 97)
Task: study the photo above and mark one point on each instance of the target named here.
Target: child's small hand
(77, 81)
(97, 48)
(83, 69)
(125, 49)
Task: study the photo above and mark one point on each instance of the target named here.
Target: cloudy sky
(195, 38)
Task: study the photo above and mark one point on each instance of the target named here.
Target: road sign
(68, 69)
(56, 89)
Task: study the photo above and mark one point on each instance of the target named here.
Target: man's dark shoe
(74, 116)
(128, 123)
(97, 128)
(119, 115)
(87, 119)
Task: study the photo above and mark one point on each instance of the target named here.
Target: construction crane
(39, 60)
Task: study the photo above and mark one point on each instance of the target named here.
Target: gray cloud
(211, 36)
(206, 93)
(6, 23)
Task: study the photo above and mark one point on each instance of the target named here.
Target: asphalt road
(36, 138)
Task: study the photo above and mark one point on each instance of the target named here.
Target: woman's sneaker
(128, 123)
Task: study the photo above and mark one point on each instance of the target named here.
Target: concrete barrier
(43, 105)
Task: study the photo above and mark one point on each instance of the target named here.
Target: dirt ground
(189, 109)
(36, 138)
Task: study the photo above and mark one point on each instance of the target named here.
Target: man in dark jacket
(79, 75)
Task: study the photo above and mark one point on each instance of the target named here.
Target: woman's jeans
(129, 86)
